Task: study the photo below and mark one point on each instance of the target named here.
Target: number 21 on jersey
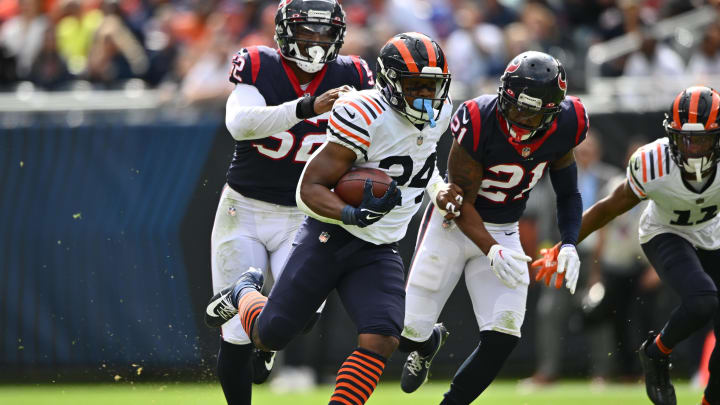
(499, 190)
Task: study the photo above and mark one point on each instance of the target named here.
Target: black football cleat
(657, 377)
(416, 369)
(262, 363)
(221, 308)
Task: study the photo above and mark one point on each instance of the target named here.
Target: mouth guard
(421, 103)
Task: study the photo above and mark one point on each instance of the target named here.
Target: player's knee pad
(701, 307)
(422, 309)
(311, 323)
(420, 319)
(506, 322)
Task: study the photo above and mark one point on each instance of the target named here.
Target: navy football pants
(694, 275)
(369, 280)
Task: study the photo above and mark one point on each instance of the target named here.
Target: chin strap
(424, 103)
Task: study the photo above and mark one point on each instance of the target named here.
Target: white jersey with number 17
(675, 207)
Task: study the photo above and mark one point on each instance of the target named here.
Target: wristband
(306, 107)
(348, 215)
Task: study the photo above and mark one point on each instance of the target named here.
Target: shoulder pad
(245, 65)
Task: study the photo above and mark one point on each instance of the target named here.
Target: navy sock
(235, 373)
(423, 348)
(430, 345)
(481, 368)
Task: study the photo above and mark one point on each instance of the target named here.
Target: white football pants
(249, 232)
(442, 255)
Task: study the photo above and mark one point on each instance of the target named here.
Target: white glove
(569, 261)
(508, 265)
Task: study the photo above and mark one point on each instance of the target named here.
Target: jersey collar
(707, 185)
(314, 84)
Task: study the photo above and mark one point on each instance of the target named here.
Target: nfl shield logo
(525, 152)
(324, 237)
(419, 140)
(232, 211)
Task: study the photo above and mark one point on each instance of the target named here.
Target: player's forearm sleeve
(247, 116)
(569, 203)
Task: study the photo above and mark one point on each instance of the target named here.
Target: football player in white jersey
(679, 230)
(395, 128)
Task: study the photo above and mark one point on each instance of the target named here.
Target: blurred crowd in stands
(187, 44)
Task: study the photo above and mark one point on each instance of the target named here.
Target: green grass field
(501, 392)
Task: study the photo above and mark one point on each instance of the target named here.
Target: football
(351, 185)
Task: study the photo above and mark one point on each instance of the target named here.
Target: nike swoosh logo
(465, 117)
(371, 217)
(509, 233)
(351, 115)
(269, 364)
(213, 305)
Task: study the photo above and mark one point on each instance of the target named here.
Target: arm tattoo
(464, 171)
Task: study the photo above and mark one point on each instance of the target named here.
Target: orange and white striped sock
(249, 307)
(357, 378)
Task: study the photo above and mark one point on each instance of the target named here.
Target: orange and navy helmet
(693, 128)
(409, 55)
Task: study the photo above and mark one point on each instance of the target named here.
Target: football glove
(548, 266)
(372, 209)
(508, 265)
(551, 264)
(568, 263)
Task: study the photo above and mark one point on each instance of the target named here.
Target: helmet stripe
(676, 110)
(713, 109)
(694, 101)
(405, 53)
(432, 58)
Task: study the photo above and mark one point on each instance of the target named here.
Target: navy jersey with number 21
(510, 168)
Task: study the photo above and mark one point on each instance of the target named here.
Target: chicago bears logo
(562, 83)
(513, 66)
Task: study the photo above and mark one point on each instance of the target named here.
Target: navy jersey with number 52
(268, 169)
(510, 168)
